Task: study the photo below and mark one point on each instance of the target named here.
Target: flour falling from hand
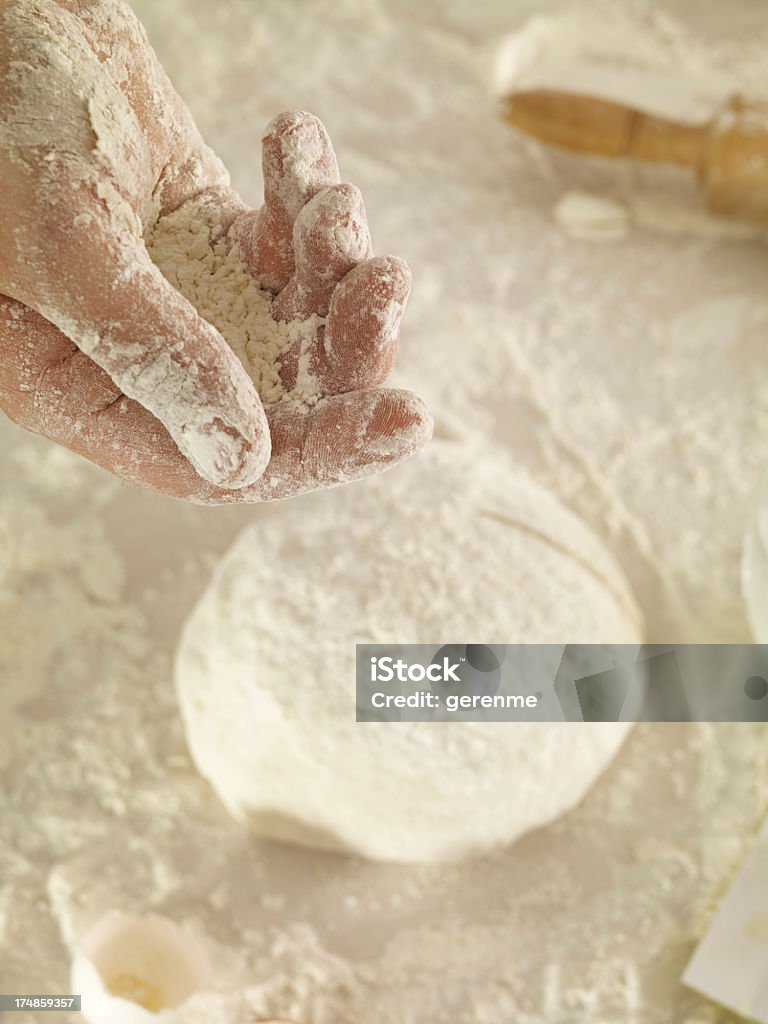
(192, 250)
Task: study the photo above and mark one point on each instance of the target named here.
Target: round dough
(456, 545)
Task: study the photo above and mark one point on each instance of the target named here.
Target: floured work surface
(629, 376)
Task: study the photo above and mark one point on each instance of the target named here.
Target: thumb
(116, 306)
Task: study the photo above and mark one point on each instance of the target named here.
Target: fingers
(48, 386)
(360, 340)
(330, 237)
(75, 255)
(298, 160)
(38, 375)
(106, 295)
(341, 439)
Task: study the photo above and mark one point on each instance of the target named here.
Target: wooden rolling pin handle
(659, 140)
(735, 173)
(729, 154)
(591, 124)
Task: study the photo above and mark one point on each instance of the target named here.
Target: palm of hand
(98, 352)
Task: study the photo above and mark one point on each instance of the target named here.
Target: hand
(100, 353)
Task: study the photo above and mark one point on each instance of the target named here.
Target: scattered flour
(542, 933)
(635, 54)
(592, 217)
(593, 370)
(191, 248)
(686, 216)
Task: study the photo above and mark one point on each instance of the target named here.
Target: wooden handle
(588, 124)
(581, 124)
(659, 140)
(730, 154)
(735, 173)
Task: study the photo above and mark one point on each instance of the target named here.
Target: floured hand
(100, 353)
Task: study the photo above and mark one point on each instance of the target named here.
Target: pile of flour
(193, 252)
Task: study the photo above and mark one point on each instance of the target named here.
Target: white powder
(103, 810)
(487, 554)
(191, 248)
(635, 55)
(629, 378)
(591, 217)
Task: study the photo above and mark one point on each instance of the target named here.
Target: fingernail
(286, 122)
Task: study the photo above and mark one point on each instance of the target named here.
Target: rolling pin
(729, 153)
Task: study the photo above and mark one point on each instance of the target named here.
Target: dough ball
(456, 545)
(591, 217)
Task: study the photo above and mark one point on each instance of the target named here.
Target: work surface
(630, 376)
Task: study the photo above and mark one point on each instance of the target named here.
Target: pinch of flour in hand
(197, 258)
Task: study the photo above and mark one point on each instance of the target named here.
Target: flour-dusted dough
(455, 546)
(592, 217)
